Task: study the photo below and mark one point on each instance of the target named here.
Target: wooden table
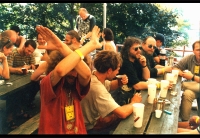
(18, 82)
(167, 124)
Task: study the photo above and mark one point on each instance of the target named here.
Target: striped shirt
(17, 60)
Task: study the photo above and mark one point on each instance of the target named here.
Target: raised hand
(95, 35)
(53, 42)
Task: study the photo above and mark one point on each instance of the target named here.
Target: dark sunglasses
(136, 48)
(150, 46)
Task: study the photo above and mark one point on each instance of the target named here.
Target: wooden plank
(126, 125)
(167, 124)
(18, 83)
(28, 127)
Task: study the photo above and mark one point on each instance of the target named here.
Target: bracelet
(193, 78)
(144, 66)
(197, 120)
(163, 70)
(79, 53)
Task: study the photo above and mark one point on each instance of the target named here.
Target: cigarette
(136, 119)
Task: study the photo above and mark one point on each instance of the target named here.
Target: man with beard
(72, 39)
(135, 67)
(65, 85)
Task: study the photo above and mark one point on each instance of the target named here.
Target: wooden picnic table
(167, 124)
(18, 82)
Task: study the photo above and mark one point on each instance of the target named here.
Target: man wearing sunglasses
(135, 67)
(148, 47)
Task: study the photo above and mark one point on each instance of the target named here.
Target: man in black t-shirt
(135, 67)
(160, 43)
(84, 23)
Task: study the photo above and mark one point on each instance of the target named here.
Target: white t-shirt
(98, 102)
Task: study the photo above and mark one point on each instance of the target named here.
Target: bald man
(84, 23)
(12, 35)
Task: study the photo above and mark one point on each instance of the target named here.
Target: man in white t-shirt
(101, 113)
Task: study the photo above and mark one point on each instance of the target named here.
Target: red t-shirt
(52, 114)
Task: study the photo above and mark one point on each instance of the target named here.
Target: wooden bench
(27, 127)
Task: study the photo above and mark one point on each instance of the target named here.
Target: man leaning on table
(23, 58)
(191, 89)
(101, 112)
(148, 46)
(135, 67)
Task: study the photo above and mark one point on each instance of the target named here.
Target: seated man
(192, 64)
(160, 42)
(135, 67)
(23, 58)
(148, 46)
(101, 112)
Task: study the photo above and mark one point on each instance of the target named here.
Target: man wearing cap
(160, 42)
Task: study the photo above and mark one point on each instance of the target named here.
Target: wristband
(197, 120)
(163, 70)
(79, 53)
(193, 78)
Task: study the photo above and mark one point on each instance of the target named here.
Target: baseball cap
(160, 37)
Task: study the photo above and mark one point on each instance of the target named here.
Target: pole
(104, 15)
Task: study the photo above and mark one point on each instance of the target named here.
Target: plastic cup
(138, 113)
(158, 113)
(152, 81)
(164, 88)
(175, 72)
(24, 70)
(151, 93)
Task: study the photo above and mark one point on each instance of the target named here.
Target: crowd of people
(79, 91)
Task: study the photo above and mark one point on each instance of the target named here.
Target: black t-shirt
(133, 70)
(150, 64)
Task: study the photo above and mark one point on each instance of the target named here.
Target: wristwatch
(193, 78)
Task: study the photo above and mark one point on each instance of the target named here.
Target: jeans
(186, 104)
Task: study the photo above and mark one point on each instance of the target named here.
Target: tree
(124, 19)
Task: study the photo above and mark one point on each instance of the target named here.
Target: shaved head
(12, 35)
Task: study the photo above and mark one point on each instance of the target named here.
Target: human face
(134, 51)
(28, 50)
(71, 76)
(7, 51)
(68, 40)
(158, 43)
(112, 73)
(150, 42)
(196, 51)
(40, 40)
(83, 15)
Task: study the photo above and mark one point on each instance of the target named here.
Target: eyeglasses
(136, 48)
(150, 46)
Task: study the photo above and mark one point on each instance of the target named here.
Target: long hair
(5, 42)
(108, 34)
(54, 58)
(127, 45)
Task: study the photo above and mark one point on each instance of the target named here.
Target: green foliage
(124, 19)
